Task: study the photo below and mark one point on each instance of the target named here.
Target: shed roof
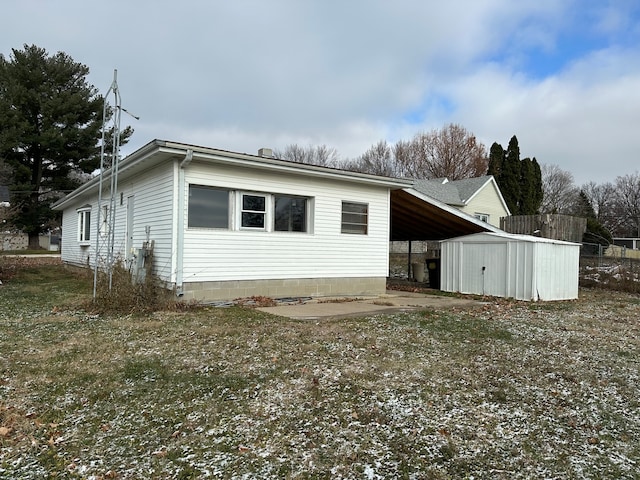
(501, 236)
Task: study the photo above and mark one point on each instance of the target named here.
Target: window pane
(87, 226)
(255, 203)
(253, 220)
(354, 218)
(290, 214)
(208, 207)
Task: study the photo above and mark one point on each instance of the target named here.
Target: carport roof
(416, 216)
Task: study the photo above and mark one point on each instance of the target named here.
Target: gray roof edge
(255, 161)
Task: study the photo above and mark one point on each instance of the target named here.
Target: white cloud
(246, 74)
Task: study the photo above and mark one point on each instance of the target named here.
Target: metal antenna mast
(105, 221)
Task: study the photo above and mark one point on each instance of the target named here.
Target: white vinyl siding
(244, 254)
(487, 202)
(153, 208)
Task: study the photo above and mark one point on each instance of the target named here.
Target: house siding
(213, 255)
(153, 208)
(487, 201)
(152, 192)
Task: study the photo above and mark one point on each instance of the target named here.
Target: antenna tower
(108, 187)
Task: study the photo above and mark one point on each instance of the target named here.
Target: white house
(508, 265)
(228, 225)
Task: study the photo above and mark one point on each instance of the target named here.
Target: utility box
(512, 266)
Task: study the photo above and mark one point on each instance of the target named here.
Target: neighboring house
(479, 197)
(227, 225)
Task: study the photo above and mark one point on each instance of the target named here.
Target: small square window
(355, 218)
(482, 216)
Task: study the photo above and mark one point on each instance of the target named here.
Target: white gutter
(181, 214)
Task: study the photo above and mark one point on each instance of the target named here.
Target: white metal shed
(513, 266)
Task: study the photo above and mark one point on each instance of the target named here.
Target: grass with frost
(512, 390)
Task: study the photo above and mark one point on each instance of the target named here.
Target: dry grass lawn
(514, 390)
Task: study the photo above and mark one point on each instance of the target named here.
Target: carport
(416, 216)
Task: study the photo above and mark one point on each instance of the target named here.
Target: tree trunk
(34, 241)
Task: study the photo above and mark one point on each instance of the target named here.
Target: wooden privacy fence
(557, 227)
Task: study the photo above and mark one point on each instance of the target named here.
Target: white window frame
(84, 225)
(267, 213)
(365, 215)
(483, 217)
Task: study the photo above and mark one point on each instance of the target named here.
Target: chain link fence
(610, 267)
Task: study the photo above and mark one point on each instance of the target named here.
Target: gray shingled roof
(454, 193)
(4, 193)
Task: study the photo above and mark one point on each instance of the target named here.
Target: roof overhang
(416, 216)
(159, 151)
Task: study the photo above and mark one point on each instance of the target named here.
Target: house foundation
(283, 288)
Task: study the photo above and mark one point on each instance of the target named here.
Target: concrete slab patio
(391, 302)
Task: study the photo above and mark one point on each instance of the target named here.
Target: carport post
(409, 261)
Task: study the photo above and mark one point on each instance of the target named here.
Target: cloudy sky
(561, 75)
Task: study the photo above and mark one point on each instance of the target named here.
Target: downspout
(181, 214)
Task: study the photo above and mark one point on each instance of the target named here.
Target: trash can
(433, 266)
(418, 271)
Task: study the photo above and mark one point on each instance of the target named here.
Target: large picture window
(208, 207)
(290, 214)
(355, 218)
(84, 225)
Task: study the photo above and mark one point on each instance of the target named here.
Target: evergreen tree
(537, 191)
(496, 159)
(520, 181)
(50, 127)
(510, 177)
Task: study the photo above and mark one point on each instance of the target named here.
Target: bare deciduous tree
(452, 152)
(559, 193)
(603, 198)
(628, 203)
(378, 160)
(315, 155)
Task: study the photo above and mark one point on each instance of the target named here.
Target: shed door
(484, 268)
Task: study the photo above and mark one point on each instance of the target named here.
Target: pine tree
(510, 177)
(50, 127)
(496, 159)
(520, 181)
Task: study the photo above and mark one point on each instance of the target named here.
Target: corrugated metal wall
(502, 266)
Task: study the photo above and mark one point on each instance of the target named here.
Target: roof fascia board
(232, 158)
(295, 168)
(126, 163)
(477, 191)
